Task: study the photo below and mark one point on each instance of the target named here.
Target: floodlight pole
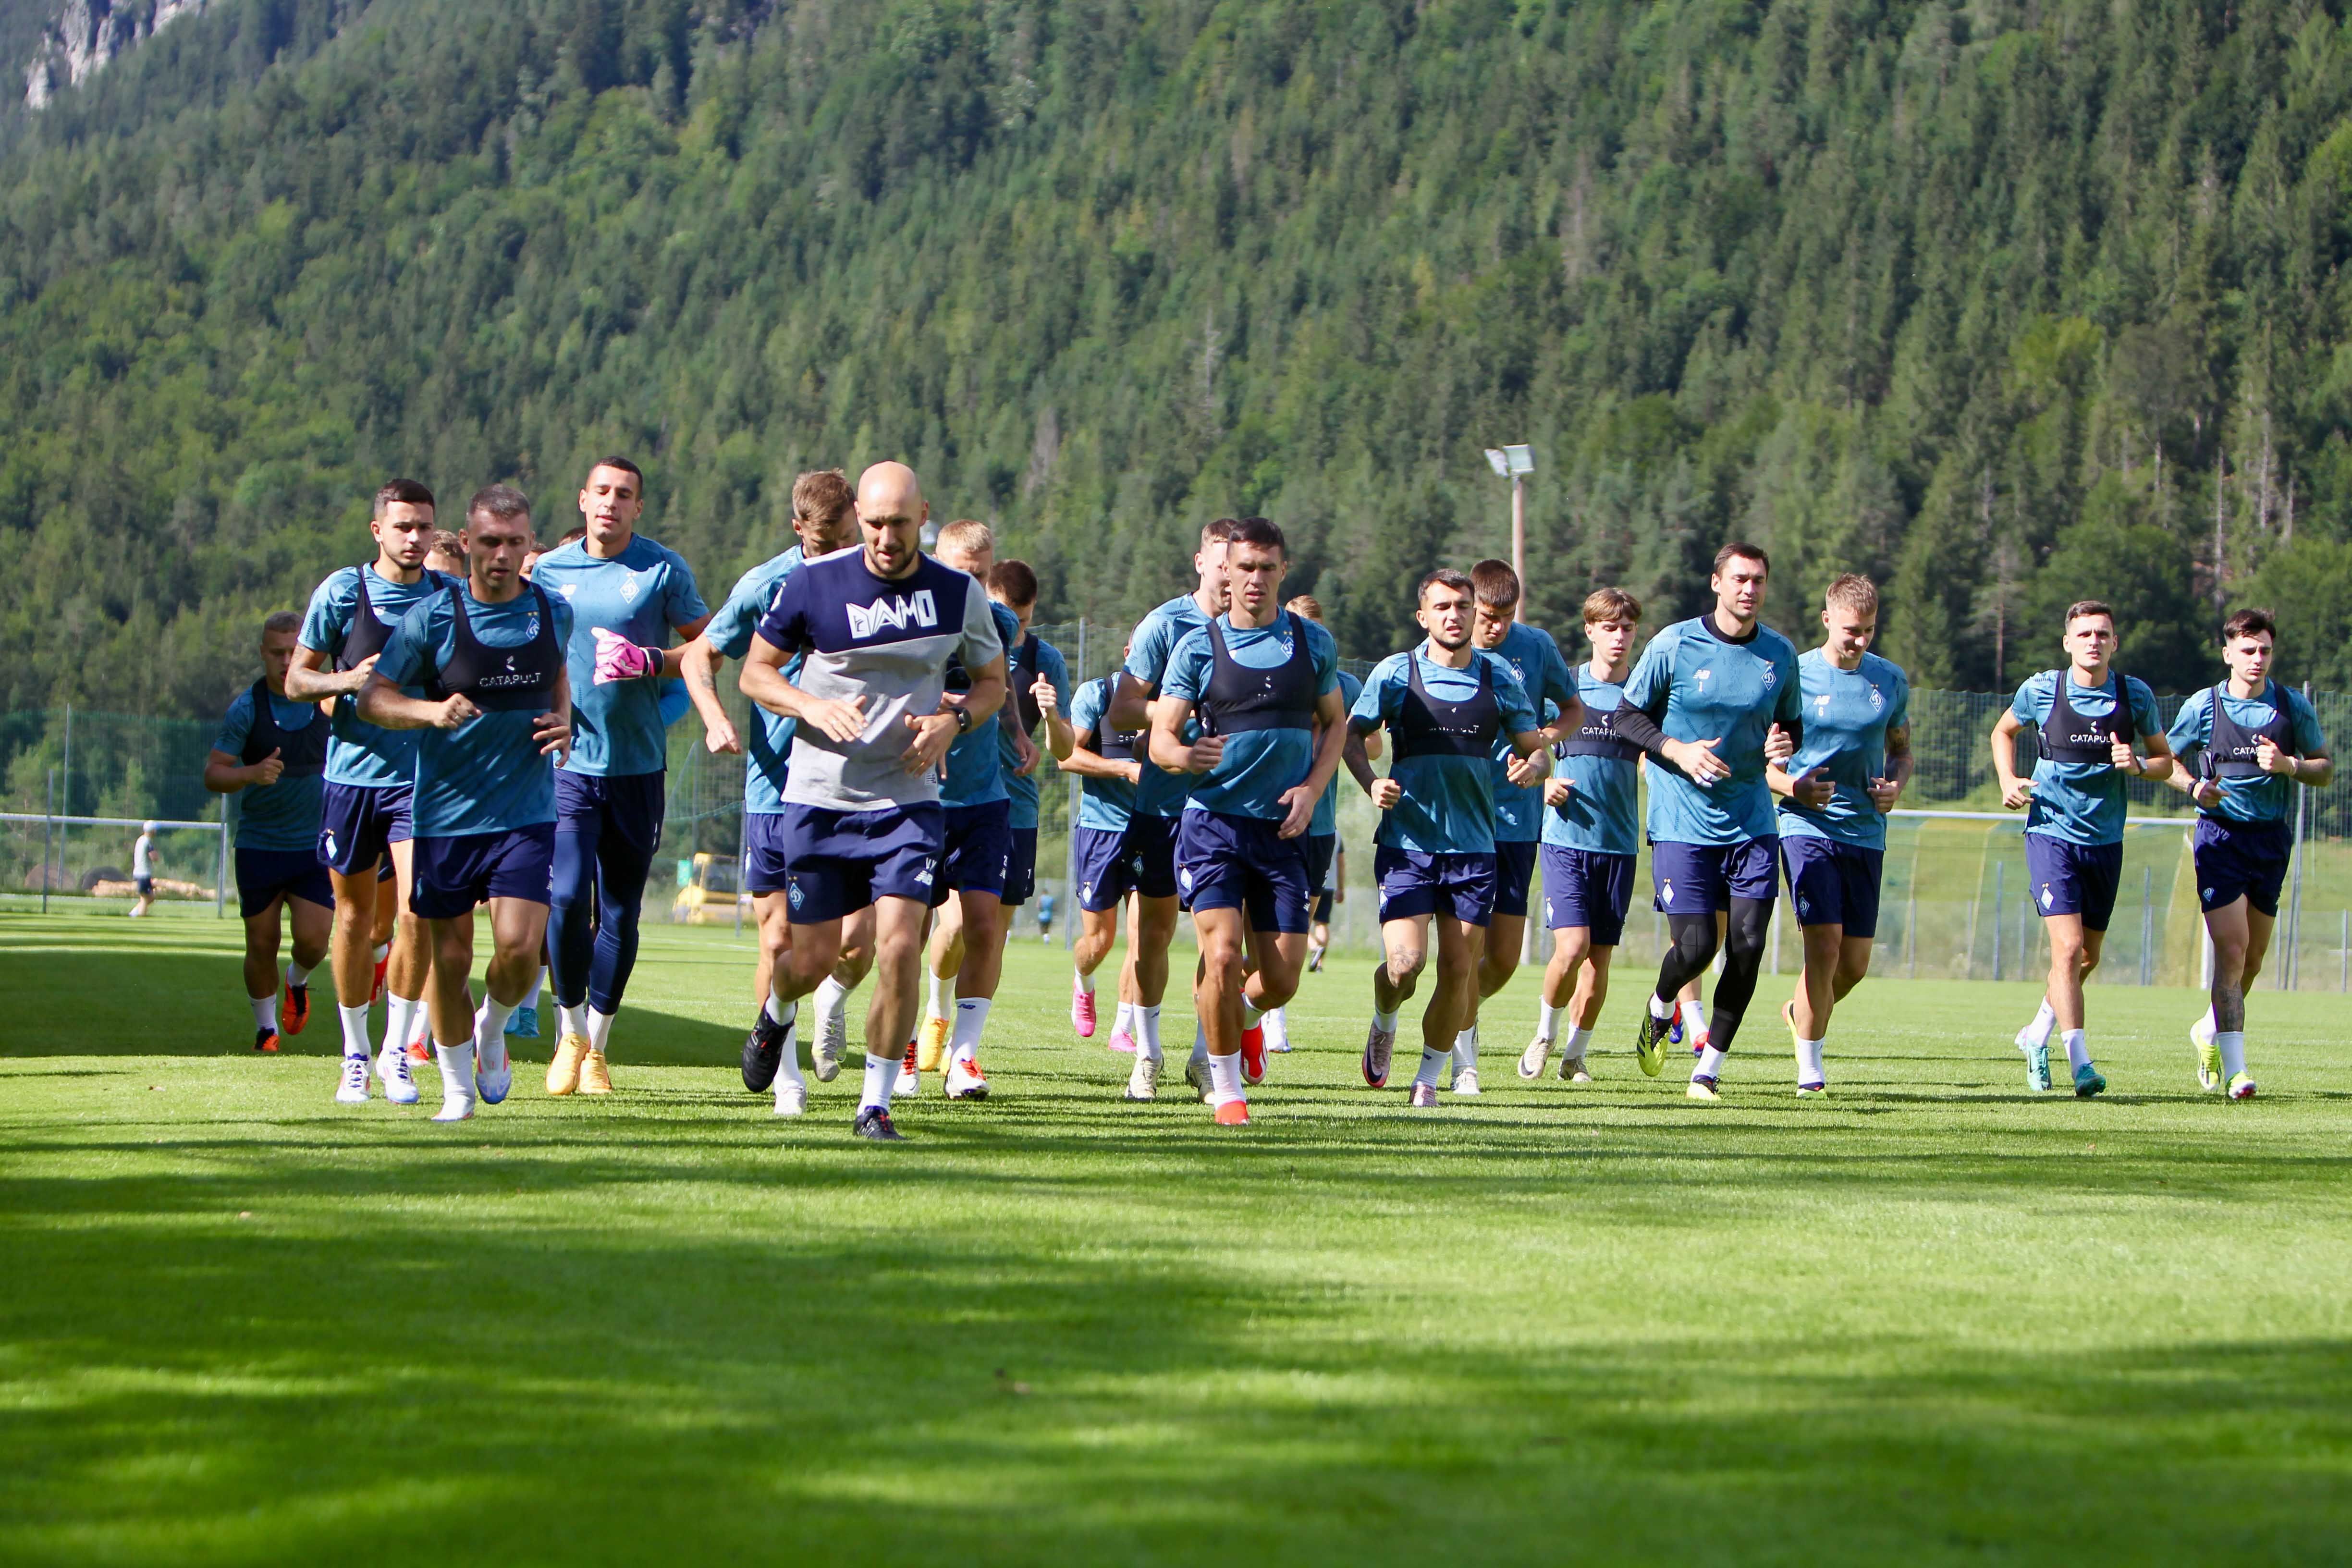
(1519, 527)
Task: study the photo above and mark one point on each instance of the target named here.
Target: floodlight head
(1522, 460)
(1500, 464)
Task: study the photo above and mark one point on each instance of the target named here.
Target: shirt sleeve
(1086, 709)
(1898, 703)
(784, 624)
(682, 600)
(981, 643)
(1789, 707)
(2147, 719)
(2193, 726)
(407, 653)
(2026, 706)
(730, 629)
(1370, 709)
(236, 726)
(560, 608)
(1653, 674)
(1325, 651)
(2308, 736)
(1186, 677)
(328, 620)
(1557, 683)
(1148, 651)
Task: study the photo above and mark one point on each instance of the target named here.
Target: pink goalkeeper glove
(620, 659)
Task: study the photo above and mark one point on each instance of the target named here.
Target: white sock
(1126, 1020)
(382, 952)
(939, 1003)
(1384, 1022)
(881, 1077)
(2208, 1024)
(456, 1070)
(788, 1066)
(422, 1025)
(1465, 1050)
(1086, 984)
(832, 997)
(1694, 1015)
(780, 1011)
(1809, 1062)
(400, 1016)
(971, 1019)
(2037, 1033)
(1429, 1062)
(1251, 1016)
(1277, 1030)
(490, 1031)
(2078, 1050)
(1147, 1039)
(600, 1030)
(1226, 1079)
(2232, 1044)
(296, 974)
(531, 1003)
(1200, 1043)
(1660, 1010)
(1576, 1039)
(572, 1020)
(1710, 1064)
(355, 1034)
(1548, 1023)
(265, 1011)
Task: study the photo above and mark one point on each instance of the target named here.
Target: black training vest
(1428, 726)
(368, 632)
(2066, 736)
(303, 752)
(2230, 754)
(1239, 698)
(1112, 742)
(1594, 738)
(1024, 676)
(500, 679)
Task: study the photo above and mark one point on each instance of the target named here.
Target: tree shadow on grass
(414, 1368)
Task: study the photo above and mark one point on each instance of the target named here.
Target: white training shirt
(138, 853)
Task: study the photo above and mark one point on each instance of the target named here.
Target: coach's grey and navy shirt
(888, 641)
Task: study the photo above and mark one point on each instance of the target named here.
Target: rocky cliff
(87, 35)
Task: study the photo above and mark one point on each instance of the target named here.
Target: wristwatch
(963, 721)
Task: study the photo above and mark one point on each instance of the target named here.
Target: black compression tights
(1743, 953)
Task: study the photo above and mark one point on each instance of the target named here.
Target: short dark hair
(1740, 548)
(626, 467)
(1446, 577)
(572, 533)
(503, 502)
(1497, 585)
(1013, 581)
(2081, 607)
(403, 492)
(1260, 531)
(289, 621)
(2249, 623)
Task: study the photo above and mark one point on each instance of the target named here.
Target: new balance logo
(893, 614)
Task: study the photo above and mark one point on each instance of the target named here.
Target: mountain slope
(1979, 298)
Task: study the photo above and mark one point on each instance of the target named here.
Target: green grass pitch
(1931, 1320)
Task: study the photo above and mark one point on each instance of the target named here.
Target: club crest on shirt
(1771, 677)
(530, 632)
(1877, 699)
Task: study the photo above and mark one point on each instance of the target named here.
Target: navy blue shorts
(975, 851)
(837, 862)
(360, 823)
(620, 816)
(1021, 876)
(1243, 863)
(1702, 879)
(1413, 884)
(1588, 888)
(1321, 913)
(1833, 884)
(1153, 841)
(1515, 869)
(2073, 879)
(263, 874)
(1103, 865)
(455, 873)
(1322, 852)
(763, 852)
(145, 886)
(2240, 860)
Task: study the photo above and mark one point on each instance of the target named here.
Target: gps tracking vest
(1024, 675)
(2230, 754)
(2066, 736)
(1239, 698)
(500, 679)
(1593, 738)
(368, 633)
(303, 752)
(1430, 726)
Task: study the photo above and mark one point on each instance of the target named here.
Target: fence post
(2000, 874)
(48, 829)
(1911, 922)
(220, 877)
(2290, 973)
(2147, 919)
(63, 806)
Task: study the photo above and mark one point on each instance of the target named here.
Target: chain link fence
(1954, 902)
